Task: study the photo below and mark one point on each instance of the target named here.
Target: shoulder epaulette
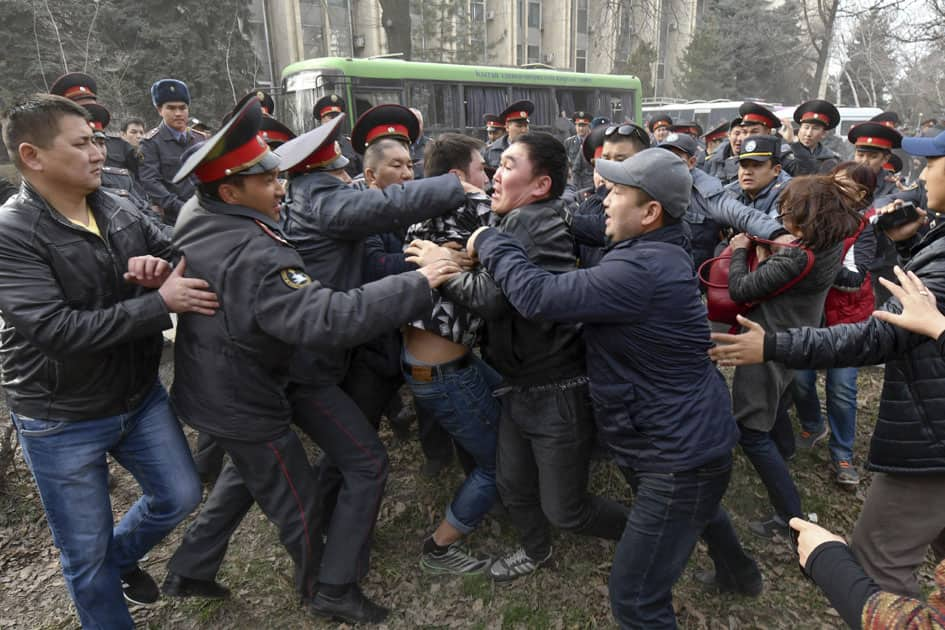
(152, 133)
(269, 232)
(117, 170)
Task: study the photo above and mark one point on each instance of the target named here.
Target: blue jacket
(767, 199)
(661, 405)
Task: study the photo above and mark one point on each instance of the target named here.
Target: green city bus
(453, 97)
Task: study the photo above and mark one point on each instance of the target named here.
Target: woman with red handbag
(786, 290)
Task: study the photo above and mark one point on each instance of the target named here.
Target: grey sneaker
(516, 565)
(456, 561)
(846, 473)
(809, 440)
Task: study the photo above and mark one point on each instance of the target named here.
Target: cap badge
(523, 114)
(673, 137)
(334, 98)
(391, 130)
(172, 88)
(750, 146)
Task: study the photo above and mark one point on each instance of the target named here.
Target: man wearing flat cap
(328, 108)
(761, 177)
(815, 118)
(646, 330)
(515, 119)
(163, 146)
(582, 172)
(230, 375)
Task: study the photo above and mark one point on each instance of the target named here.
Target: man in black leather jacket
(904, 512)
(547, 426)
(80, 344)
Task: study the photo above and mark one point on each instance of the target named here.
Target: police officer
(116, 180)
(659, 126)
(891, 119)
(815, 118)
(515, 118)
(327, 108)
(759, 120)
(582, 173)
(760, 175)
(721, 163)
(495, 127)
(163, 146)
(418, 146)
(230, 379)
(694, 130)
(715, 137)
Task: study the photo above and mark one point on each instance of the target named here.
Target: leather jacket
(77, 342)
(526, 351)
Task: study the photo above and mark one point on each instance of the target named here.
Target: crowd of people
(539, 301)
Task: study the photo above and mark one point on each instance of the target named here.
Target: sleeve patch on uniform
(295, 278)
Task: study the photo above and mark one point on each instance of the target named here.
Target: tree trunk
(823, 58)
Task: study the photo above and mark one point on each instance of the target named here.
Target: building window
(477, 9)
(580, 60)
(534, 15)
(582, 16)
(520, 11)
(519, 55)
(534, 54)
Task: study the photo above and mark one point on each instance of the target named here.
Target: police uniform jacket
(77, 341)
(820, 160)
(122, 155)
(121, 182)
(232, 369)
(329, 221)
(160, 161)
(355, 163)
(492, 154)
(721, 164)
(582, 173)
(767, 199)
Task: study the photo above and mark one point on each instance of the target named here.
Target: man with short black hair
(663, 409)
(547, 428)
(82, 342)
(132, 131)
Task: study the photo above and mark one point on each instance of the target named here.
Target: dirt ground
(571, 594)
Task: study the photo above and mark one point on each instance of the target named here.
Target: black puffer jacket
(526, 351)
(77, 341)
(909, 438)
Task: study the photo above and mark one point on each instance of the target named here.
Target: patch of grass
(518, 615)
(479, 587)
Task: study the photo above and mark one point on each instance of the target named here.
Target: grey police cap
(658, 172)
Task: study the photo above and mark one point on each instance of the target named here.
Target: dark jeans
(841, 407)
(762, 452)
(545, 439)
(670, 512)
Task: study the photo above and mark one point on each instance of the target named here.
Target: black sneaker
(139, 587)
(770, 528)
(352, 607)
(750, 584)
(179, 586)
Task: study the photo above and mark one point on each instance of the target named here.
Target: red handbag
(719, 303)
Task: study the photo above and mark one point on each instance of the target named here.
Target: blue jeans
(463, 404)
(670, 511)
(841, 407)
(762, 452)
(67, 460)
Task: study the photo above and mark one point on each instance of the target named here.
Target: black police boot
(351, 607)
(747, 582)
(179, 586)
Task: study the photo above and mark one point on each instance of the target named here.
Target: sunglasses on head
(629, 130)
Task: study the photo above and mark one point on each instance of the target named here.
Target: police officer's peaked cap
(492, 121)
(690, 127)
(270, 129)
(718, 132)
(890, 119)
(384, 121)
(760, 148)
(236, 149)
(817, 111)
(893, 163)
(874, 136)
(519, 110)
(77, 86)
(659, 121)
(328, 104)
(581, 117)
(100, 116)
(315, 150)
(752, 113)
(597, 121)
(593, 145)
(169, 91)
(736, 122)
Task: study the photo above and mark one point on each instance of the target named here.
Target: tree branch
(88, 37)
(65, 64)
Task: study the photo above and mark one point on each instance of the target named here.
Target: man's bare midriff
(431, 348)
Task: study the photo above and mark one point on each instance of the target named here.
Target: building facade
(582, 35)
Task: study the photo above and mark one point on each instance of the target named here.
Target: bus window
(545, 105)
(482, 100)
(616, 105)
(366, 98)
(570, 101)
(444, 112)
